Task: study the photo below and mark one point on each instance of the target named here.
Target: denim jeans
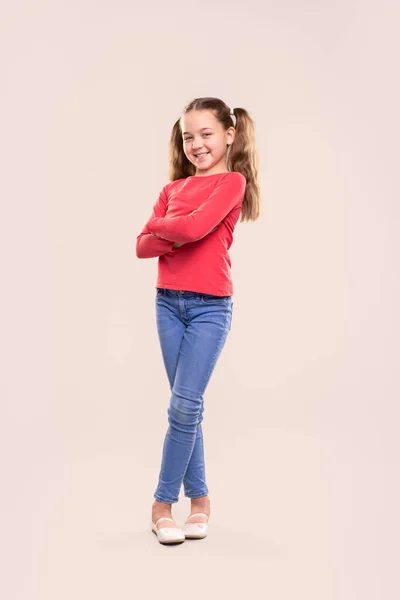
(192, 329)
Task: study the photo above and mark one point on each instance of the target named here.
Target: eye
(189, 138)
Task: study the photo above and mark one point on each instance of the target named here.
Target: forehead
(196, 120)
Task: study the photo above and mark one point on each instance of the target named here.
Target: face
(206, 142)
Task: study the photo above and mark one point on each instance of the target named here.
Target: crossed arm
(179, 244)
(149, 245)
(200, 222)
(162, 233)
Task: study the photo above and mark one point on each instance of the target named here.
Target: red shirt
(186, 211)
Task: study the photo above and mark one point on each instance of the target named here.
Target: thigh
(202, 344)
(170, 329)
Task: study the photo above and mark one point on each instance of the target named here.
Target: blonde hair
(242, 155)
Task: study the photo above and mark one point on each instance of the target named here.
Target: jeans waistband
(178, 292)
(185, 293)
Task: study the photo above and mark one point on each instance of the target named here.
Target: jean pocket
(211, 299)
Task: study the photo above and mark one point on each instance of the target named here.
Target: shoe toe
(167, 535)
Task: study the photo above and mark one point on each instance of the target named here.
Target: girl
(213, 171)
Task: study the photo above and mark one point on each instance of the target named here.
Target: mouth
(201, 154)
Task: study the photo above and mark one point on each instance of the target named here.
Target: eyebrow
(202, 129)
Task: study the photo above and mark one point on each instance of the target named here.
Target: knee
(183, 410)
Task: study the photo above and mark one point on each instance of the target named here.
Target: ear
(230, 135)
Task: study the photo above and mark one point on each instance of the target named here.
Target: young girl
(213, 171)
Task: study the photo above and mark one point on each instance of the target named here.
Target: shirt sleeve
(228, 192)
(148, 243)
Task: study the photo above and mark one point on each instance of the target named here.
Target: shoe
(168, 535)
(195, 530)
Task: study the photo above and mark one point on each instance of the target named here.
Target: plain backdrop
(302, 413)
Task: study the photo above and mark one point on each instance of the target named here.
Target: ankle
(161, 508)
(200, 503)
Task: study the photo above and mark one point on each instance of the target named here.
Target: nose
(196, 145)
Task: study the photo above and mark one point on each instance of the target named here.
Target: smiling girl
(213, 172)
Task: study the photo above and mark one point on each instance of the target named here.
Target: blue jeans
(192, 329)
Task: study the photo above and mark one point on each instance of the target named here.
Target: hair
(242, 155)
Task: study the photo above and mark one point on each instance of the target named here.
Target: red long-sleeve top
(188, 210)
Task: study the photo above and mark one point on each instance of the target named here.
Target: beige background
(302, 416)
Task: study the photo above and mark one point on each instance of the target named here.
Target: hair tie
(233, 116)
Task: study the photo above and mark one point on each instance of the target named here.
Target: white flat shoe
(168, 535)
(195, 530)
